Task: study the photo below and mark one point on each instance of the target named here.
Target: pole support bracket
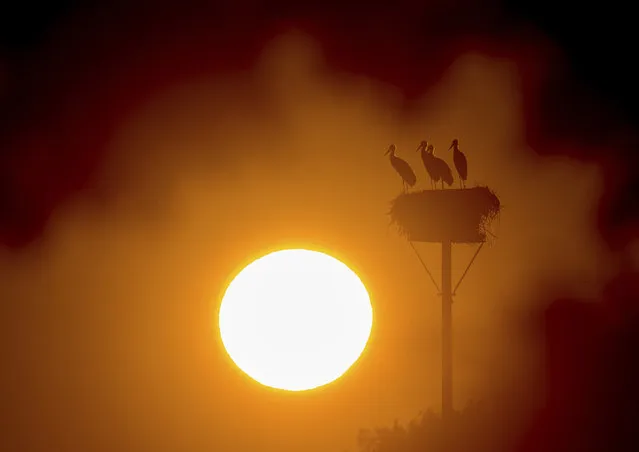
(439, 291)
(468, 268)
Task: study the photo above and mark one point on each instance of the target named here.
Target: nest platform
(455, 215)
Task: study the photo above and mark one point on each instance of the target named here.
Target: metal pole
(447, 332)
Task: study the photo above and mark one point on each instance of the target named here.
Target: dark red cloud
(71, 76)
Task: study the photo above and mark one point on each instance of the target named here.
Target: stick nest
(458, 215)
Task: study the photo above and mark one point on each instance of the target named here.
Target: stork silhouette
(402, 167)
(429, 163)
(461, 164)
(441, 168)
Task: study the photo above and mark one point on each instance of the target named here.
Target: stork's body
(429, 162)
(461, 164)
(403, 168)
(442, 169)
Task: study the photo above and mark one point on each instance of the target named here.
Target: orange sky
(126, 293)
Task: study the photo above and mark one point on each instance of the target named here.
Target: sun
(295, 319)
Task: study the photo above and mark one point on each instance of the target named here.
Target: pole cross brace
(468, 268)
(439, 292)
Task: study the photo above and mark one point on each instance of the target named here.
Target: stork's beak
(451, 146)
(419, 147)
(387, 151)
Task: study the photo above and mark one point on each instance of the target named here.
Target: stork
(428, 160)
(461, 164)
(442, 169)
(402, 168)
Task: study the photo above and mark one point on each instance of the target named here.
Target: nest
(456, 215)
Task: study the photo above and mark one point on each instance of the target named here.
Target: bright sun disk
(295, 319)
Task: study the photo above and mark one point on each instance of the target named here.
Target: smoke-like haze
(114, 309)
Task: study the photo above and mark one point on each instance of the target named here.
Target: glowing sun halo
(295, 319)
